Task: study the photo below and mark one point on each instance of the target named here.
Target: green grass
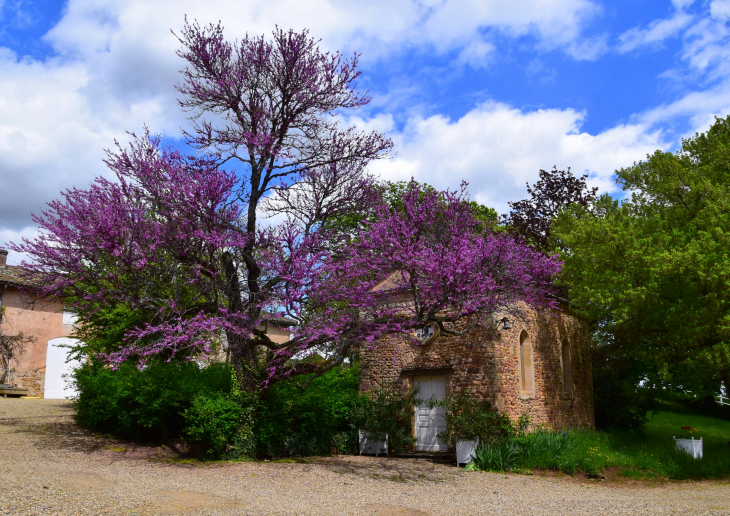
(643, 455)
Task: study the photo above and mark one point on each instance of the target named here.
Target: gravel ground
(50, 466)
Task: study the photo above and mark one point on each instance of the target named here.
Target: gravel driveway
(49, 466)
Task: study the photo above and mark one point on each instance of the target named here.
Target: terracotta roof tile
(15, 276)
(279, 321)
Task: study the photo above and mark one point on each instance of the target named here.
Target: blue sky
(489, 91)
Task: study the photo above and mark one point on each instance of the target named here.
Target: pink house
(41, 366)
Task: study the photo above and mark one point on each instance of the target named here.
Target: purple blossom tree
(430, 262)
(179, 237)
(276, 100)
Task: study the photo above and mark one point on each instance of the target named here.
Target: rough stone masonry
(540, 365)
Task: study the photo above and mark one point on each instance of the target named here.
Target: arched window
(527, 374)
(567, 368)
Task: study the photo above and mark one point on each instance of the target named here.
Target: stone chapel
(537, 361)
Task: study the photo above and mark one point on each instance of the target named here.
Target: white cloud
(588, 49)
(720, 9)
(9, 235)
(707, 49)
(703, 76)
(655, 33)
(52, 133)
(498, 148)
(43, 119)
(377, 26)
(115, 67)
(15, 14)
(476, 53)
(699, 107)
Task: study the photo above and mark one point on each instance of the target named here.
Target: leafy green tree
(312, 421)
(653, 271)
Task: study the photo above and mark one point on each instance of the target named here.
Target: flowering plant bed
(687, 432)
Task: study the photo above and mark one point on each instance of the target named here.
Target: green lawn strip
(653, 450)
(638, 455)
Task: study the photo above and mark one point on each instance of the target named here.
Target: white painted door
(58, 372)
(430, 422)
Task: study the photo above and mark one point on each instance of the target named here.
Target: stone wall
(486, 363)
(33, 380)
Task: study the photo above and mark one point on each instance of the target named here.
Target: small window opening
(527, 372)
(567, 368)
(69, 318)
(425, 332)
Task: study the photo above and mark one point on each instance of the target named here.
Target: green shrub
(212, 423)
(167, 401)
(468, 418)
(147, 404)
(387, 410)
(291, 421)
(620, 404)
(647, 454)
(542, 445)
(497, 457)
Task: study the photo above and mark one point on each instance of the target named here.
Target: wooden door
(429, 422)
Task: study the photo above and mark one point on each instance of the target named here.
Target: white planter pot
(692, 446)
(465, 451)
(373, 446)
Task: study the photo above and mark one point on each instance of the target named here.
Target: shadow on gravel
(396, 469)
(51, 433)
(62, 434)
(51, 427)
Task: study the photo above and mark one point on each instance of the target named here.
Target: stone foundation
(31, 380)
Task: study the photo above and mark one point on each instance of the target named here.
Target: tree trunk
(243, 360)
(240, 347)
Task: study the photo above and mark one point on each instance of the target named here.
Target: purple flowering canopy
(180, 236)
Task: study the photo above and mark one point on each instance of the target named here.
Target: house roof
(281, 321)
(14, 276)
(394, 279)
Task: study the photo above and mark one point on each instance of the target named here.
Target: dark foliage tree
(532, 218)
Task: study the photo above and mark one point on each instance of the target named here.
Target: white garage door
(58, 371)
